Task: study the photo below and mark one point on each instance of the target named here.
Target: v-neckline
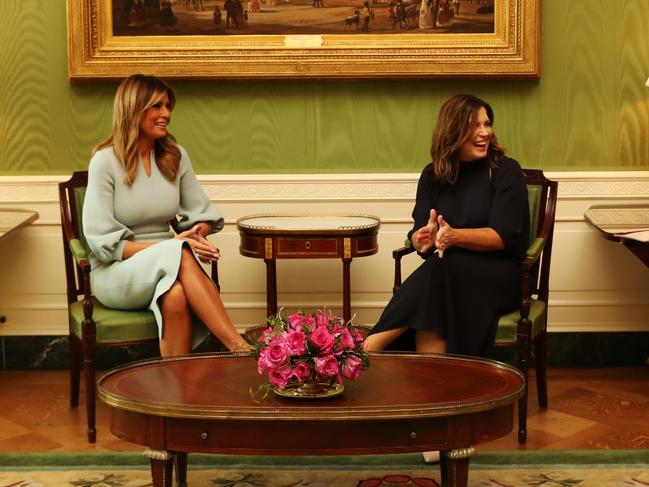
(148, 173)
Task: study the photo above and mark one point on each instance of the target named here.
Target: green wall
(589, 110)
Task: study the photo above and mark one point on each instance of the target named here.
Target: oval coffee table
(402, 403)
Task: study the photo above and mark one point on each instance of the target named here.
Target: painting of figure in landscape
(301, 17)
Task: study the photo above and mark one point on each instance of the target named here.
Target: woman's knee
(187, 259)
(187, 255)
(175, 297)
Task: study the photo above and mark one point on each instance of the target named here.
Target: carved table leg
(181, 469)
(347, 305)
(161, 467)
(271, 287)
(454, 466)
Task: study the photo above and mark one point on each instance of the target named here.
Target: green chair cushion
(506, 331)
(115, 325)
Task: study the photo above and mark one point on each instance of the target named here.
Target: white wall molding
(596, 285)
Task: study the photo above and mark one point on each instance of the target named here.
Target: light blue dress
(114, 213)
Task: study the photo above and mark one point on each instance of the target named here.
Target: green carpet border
(411, 460)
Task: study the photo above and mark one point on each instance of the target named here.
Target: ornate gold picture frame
(511, 49)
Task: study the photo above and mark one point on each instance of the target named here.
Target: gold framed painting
(302, 39)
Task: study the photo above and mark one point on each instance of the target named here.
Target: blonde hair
(454, 127)
(134, 96)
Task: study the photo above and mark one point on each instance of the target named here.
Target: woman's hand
(203, 248)
(424, 238)
(446, 236)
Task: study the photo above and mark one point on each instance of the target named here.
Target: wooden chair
(526, 327)
(91, 324)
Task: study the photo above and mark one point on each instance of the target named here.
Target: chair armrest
(533, 252)
(397, 255)
(78, 251)
(402, 251)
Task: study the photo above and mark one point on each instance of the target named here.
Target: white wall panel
(596, 285)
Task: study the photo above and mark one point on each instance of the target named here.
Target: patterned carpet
(492, 469)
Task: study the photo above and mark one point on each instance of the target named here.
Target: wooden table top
(218, 386)
(614, 220)
(13, 220)
(304, 224)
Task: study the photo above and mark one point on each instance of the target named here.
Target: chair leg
(89, 374)
(523, 366)
(75, 369)
(540, 352)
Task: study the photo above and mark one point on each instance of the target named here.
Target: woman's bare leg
(205, 301)
(378, 341)
(176, 316)
(425, 340)
(430, 341)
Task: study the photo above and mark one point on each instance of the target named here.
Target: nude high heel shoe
(430, 456)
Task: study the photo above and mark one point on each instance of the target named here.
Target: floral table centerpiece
(308, 355)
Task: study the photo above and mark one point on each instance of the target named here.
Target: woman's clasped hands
(437, 232)
(424, 238)
(445, 237)
(202, 247)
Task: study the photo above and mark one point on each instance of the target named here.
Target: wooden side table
(12, 220)
(627, 224)
(272, 237)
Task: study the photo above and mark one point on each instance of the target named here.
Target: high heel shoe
(430, 456)
(242, 348)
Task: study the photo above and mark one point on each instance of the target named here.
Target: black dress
(462, 295)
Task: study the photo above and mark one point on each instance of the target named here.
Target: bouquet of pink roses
(310, 349)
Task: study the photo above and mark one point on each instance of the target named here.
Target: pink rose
(262, 362)
(279, 376)
(308, 321)
(266, 336)
(295, 321)
(326, 366)
(277, 352)
(358, 338)
(321, 319)
(351, 367)
(322, 339)
(344, 341)
(296, 343)
(301, 371)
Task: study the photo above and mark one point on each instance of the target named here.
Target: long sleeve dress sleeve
(425, 200)
(105, 235)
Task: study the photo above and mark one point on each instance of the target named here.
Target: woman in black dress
(471, 226)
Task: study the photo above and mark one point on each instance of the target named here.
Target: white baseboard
(596, 285)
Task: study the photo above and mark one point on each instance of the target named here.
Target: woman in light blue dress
(138, 180)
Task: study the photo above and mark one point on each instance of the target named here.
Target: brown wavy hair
(134, 96)
(454, 127)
